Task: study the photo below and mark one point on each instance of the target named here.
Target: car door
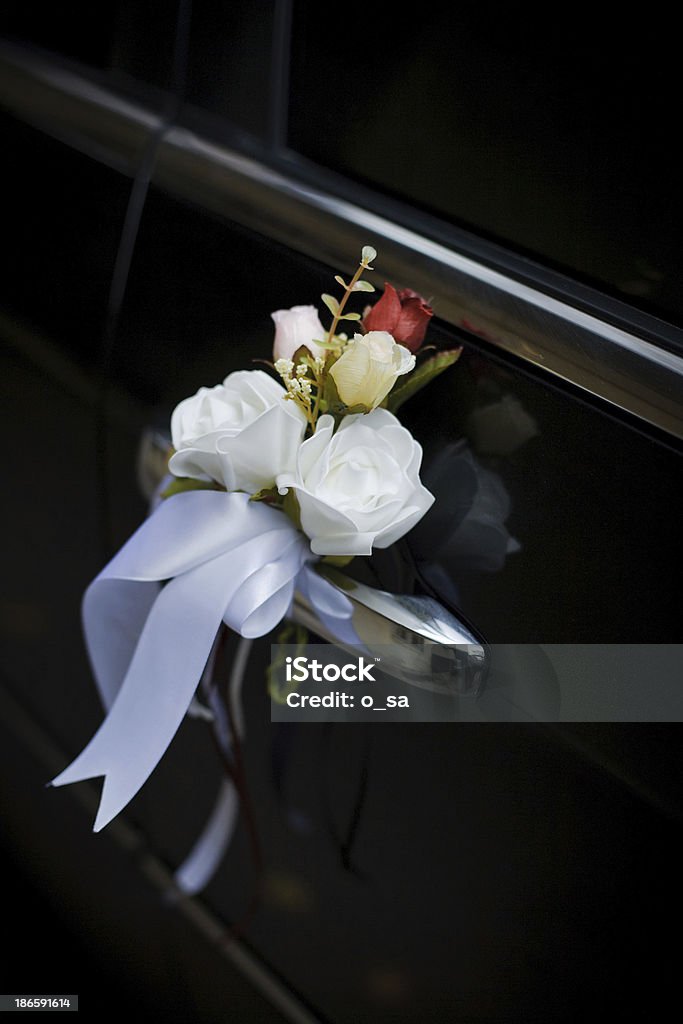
(505, 866)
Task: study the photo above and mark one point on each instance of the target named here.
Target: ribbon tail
(203, 861)
(224, 558)
(158, 688)
(114, 614)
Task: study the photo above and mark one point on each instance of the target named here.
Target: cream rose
(295, 327)
(241, 433)
(369, 367)
(358, 488)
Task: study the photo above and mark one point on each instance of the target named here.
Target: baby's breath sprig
(299, 386)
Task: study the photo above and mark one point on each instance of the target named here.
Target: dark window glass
(229, 71)
(557, 137)
(221, 59)
(199, 299)
(85, 33)
(135, 37)
(63, 214)
(143, 41)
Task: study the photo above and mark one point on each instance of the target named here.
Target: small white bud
(285, 367)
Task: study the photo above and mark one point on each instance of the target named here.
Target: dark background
(475, 873)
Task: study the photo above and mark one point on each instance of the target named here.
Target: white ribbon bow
(225, 559)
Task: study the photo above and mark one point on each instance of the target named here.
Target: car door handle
(420, 641)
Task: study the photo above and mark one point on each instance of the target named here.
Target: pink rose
(295, 327)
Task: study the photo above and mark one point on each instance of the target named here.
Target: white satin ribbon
(225, 559)
(204, 859)
(208, 850)
(334, 610)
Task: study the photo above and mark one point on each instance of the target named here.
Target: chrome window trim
(620, 367)
(75, 109)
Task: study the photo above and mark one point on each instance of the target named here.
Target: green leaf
(330, 345)
(338, 560)
(350, 316)
(334, 404)
(302, 355)
(368, 254)
(330, 395)
(331, 303)
(341, 281)
(188, 483)
(353, 410)
(268, 494)
(290, 506)
(411, 383)
(363, 286)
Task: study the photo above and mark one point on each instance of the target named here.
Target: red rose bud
(403, 313)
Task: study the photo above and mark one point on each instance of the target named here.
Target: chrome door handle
(420, 641)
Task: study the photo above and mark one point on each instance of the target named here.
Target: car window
(549, 138)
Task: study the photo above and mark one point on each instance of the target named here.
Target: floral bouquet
(266, 477)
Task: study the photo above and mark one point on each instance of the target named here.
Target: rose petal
(258, 454)
(359, 486)
(195, 463)
(407, 519)
(295, 327)
(314, 448)
(412, 323)
(350, 374)
(343, 544)
(384, 314)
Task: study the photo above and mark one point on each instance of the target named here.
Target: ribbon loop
(222, 557)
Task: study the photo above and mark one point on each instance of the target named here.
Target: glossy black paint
(497, 873)
(590, 501)
(63, 216)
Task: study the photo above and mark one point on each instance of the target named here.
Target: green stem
(347, 293)
(318, 392)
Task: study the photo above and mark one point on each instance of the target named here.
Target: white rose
(359, 488)
(368, 368)
(241, 433)
(295, 327)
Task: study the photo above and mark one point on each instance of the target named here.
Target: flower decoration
(268, 473)
(403, 313)
(358, 488)
(295, 327)
(239, 434)
(369, 367)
